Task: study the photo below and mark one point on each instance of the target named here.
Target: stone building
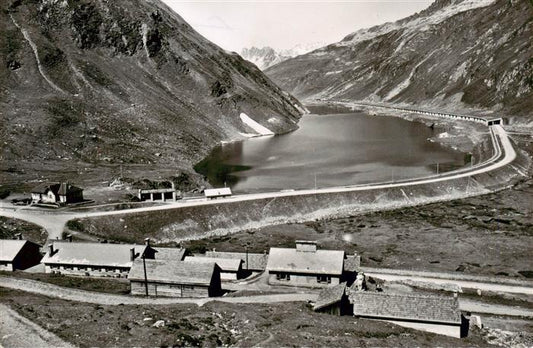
(305, 266)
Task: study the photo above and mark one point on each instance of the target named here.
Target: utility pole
(315, 181)
(437, 168)
(145, 277)
(246, 248)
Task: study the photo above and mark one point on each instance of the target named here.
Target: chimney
(18, 236)
(306, 246)
(147, 241)
(132, 254)
(51, 249)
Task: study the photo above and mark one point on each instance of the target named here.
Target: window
(283, 276)
(323, 279)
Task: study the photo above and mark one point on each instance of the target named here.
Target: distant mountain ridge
(122, 81)
(267, 56)
(454, 54)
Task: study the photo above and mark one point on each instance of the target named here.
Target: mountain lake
(333, 149)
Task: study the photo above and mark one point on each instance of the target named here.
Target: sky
(234, 25)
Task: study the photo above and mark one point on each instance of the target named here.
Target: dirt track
(109, 299)
(17, 331)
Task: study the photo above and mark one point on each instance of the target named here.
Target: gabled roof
(330, 295)
(66, 188)
(226, 265)
(352, 263)
(9, 248)
(96, 254)
(328, 262)
(256, 262)
(173, 254)
(406, 307)
(175, 272)
(217, 192)
(44, 187)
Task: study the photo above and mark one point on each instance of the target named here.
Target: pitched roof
(329, 296)
(176, 254)
(175, 272)
(9, 248)
(256, 262)
(317, 262)
(44, 187)
(352, 263)
(223, 191)
(407, 307)
(67, 188)
(226, 265)
(97, 254)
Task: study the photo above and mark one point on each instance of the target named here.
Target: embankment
(196, 222)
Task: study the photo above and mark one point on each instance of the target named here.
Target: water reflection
(336, 149)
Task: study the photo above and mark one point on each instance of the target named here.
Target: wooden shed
(230, 269)
(252, 263)
(175, 279)
(334, 300)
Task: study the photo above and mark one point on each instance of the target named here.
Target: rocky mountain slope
(123, 81)
(267, 56)
(456, 53)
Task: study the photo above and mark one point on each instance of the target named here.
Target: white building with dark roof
(18, 254)
(305, 266)
(56, 193)
(230, 269)
(437, 314)
(175, 278)
(93, 259)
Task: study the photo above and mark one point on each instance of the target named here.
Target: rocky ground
(214, 324)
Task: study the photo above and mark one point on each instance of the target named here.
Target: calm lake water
(330, 150)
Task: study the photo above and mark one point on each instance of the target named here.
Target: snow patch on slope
(261, 130)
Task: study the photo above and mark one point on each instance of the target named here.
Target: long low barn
(93, 259)
(175, 278)
(437, 314)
